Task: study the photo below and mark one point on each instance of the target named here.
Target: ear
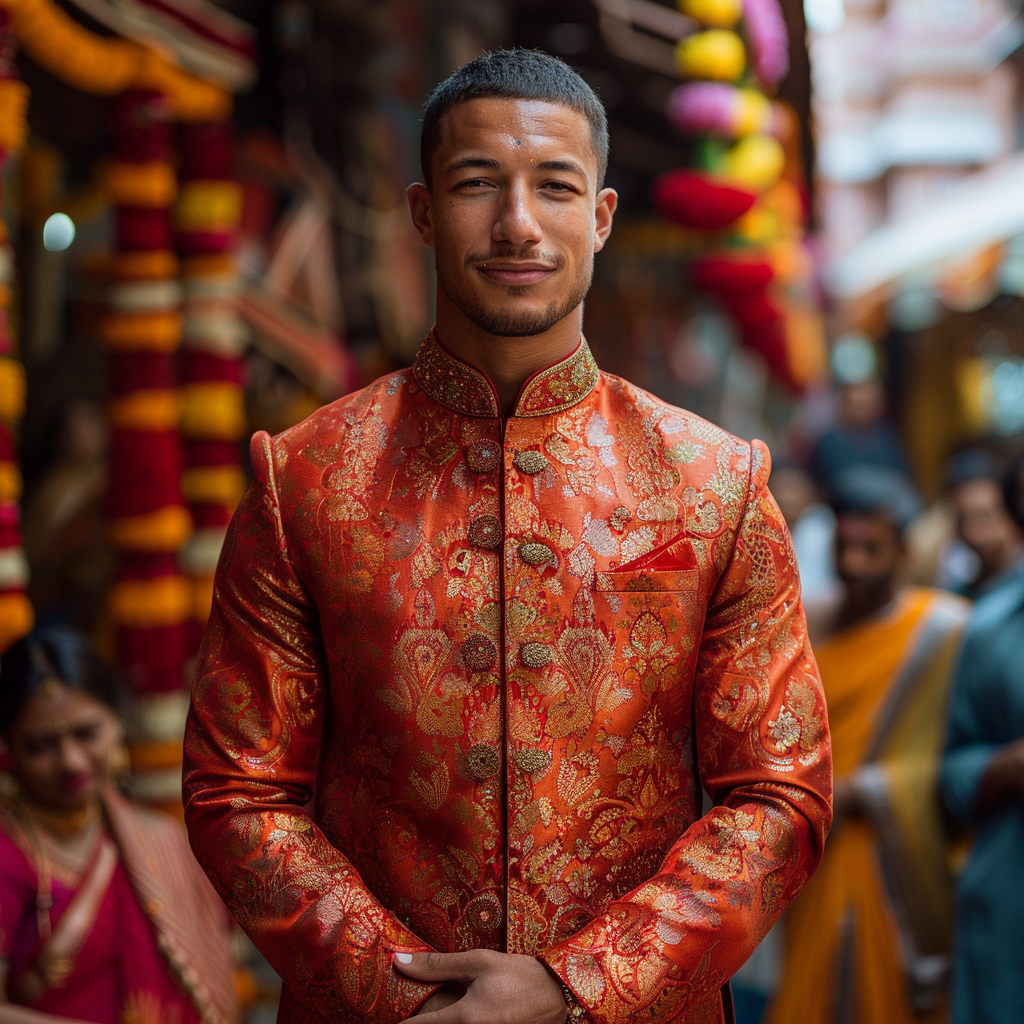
(420, 206)
(607, 200)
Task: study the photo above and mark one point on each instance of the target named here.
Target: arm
(977, 771)
(763, 753)
(252, 750)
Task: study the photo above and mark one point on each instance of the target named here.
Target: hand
(446, 995)
(1004, 777)
(501, 988)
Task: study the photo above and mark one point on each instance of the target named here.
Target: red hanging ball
(698, 201)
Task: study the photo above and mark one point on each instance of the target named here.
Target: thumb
(438, 966)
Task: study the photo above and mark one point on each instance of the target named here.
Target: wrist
(575, 1011)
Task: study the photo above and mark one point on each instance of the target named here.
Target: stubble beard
(509, 323)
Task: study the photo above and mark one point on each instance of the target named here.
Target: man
(983, 784)
(482, 630)
(982, 520)
(868, 940)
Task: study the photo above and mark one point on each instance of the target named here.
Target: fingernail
(404, 958)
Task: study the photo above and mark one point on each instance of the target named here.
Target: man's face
(514, 214)
(869, 556)
(983, 522)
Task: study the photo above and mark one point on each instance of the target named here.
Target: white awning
(985, 209)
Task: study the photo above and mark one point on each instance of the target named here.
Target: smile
(502, 272)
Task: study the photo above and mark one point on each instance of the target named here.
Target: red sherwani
(465, 678)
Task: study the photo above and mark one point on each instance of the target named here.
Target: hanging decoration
(150, 602)
(213, 399)
(109, 66)
(744, 191)
(16, 616)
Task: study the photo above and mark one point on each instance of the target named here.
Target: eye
(560, 186)
(86, 733)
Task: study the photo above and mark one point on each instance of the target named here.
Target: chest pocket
(639, 581)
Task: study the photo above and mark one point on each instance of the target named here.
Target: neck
(60, 821)
(858, 609)
(508, 362)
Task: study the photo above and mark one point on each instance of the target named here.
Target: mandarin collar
(466, 390)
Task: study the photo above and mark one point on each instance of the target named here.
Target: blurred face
(863, 404)
(984, 524)
(514, 214)
(869, 556)
(61, 746)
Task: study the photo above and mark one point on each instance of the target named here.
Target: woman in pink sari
(104, 914)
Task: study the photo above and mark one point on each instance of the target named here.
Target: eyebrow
(568, 166)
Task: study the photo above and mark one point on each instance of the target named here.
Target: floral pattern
(458, 695)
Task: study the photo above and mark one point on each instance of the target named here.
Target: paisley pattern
(454, 700)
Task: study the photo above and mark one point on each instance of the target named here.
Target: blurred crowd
(916, 610)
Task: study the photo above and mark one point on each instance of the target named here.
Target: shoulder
(357, 419)
(705, 457)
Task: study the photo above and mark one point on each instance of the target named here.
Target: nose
(73, 759)
(517, 222)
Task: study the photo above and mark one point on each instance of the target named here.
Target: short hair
(515, 75)
(865, 490)
(52, 654)
(972, 464)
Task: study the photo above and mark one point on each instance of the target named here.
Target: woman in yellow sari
(868, 941)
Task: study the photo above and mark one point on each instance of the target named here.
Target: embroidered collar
(467, 390)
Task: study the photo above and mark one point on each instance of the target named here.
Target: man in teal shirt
(983, 783)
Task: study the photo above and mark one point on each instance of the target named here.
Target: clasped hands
(483, 986)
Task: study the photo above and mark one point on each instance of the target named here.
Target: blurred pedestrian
(104, 914)
(862, 437)
(983, 522)
(812, 525)
(983, 783)
(868, 940)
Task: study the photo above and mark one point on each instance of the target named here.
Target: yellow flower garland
(151, 184)
(166, 529)
(106, 66)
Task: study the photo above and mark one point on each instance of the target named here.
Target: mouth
(514, 272)
(76, 783)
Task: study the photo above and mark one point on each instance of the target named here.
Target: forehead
(48, 705)
(515, 129)
(866, 526)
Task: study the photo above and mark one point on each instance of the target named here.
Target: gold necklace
(38, 821)
(60, 824)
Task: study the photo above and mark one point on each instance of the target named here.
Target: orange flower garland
(150, 603)
(16, 615)
(213, 400)
(108, 66)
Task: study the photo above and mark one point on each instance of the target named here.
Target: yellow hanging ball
(753, 112)
(719, 13)
(717, 55)
(755, 162)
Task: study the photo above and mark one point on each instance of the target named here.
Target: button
(485, 532)
(484, 456)
(531, 462)
(478, 653)
(535, 655)
(484, 761)
(533, 553)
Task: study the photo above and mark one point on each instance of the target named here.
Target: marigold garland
(106, 66)
(151, 601)
(16, 614)
(213, 401)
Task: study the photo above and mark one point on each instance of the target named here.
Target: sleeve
(252, 750)
(970, 742)
(762, 749)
